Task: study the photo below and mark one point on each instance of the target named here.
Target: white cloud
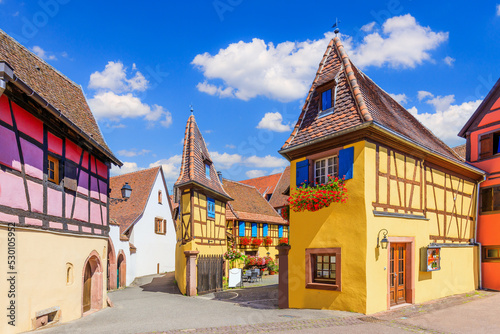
(400, 98)
(225, 160)
(284, 71)
(231, 146)
(265, 162)
(498, 10)
(402, 43)
(133, 152)
(441, 103)
(111, 106)
(446, 123)
(422, 94)
(171, 167)
(114, 78)
(43, 54)
(273, 121)
(368, 27)
(449, 61)
(277, 170)
(128, 167)
(255, 173)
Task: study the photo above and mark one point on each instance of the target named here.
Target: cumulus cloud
(133, 152)
(284, 71)
(266, 162)
(231, 146)
(401, 43)
(498, 10)
(255, 173)
(422, 94)
(171, 167)
(225, 160)
(115, 96)
(400, 98)
(441, 103)
(128, 167)
(273, 121)
(43, 54)
(446, 123)
(449, 61)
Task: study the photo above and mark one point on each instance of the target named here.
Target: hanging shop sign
(430, 259)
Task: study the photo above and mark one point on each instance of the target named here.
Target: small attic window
(207, 170)
(328, 98)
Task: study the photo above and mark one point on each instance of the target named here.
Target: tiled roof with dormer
(265, 184)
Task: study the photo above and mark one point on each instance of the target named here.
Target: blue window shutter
(254, 230)
(346, 162)
(264, 230)
(211, 207)
(280, 231)
(242, 229)
(302, 173)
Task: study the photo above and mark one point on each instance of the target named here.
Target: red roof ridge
(242, 184)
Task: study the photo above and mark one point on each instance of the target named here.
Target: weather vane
(336, 26)
(191, 108)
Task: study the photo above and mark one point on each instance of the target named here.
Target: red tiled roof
(194, 156)
(249, 205)
(264, 184)
(126, 212)
(278, 199)
(359, 100)
(461, 151)
(62, 93)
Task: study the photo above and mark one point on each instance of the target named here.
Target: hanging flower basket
(268, 241)
(285, 212)
(245, 241)
(257, 242)
(318, 197)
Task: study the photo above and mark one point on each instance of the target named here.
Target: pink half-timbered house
(54, 181)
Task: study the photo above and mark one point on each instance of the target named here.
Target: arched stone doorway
(92, 283)
(121, 272)
(111, 266)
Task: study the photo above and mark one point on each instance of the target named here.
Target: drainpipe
(480, 271)
(6, 74)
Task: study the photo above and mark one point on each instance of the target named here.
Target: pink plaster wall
(97, 231)
(104, 216)
(9, 154)
(86, 229)
(83, 183)
(93, 167)
(28, 123)
(94, 191)
(81, 210)
(12, 193)
(72, 227)
(73, 151)
(33, 221)
(69, 204)
(8, 218)
(85, 162)
(36, 196)
(55, 225)
(95, 214)
(33, 159)
(55, 144)
(5, 110)
(54, 202)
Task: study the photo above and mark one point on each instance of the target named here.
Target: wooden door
(87, 288)
(397, 274)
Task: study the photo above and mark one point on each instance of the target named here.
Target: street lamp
(384, 242)
(126, 190)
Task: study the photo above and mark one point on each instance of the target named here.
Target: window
(325, 167)
(241, 230)
(280, 231)
(207, 170)
(323, 269)
(491, 253)
(490, 199)
(265, 230)
(268, 197)
(160, 197)
(489, 145)
(160, 225)
(210, 208)
(53, 169)
(254, 230)
(326, 99)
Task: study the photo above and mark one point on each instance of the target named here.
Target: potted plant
(268, 241)
(233, 256)
(256, 242)
(283, 242)
(273, 269)
(245, 241)
(320, 196)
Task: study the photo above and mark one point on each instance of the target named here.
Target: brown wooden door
(87, 288)
(397, 274)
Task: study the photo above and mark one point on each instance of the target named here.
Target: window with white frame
(325, 167)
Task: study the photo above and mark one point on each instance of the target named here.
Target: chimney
(219, 174)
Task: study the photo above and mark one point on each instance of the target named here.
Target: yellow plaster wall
(340, 225)
(180, 258)
(457, 274)
(41, 260)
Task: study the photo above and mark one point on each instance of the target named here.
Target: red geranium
(268, 241)
(318, 197)
(257, 242)
(245, 241)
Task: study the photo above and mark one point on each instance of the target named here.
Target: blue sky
(246, 67)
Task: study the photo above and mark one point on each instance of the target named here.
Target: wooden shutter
(254, 230)
(264, 230)
(302, 172)
(486, 146)
(241, 229)
(280, 231)
(346, 162)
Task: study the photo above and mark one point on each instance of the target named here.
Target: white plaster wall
(114, 234)
(155, 248)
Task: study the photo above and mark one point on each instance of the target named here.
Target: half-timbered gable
(404, 185)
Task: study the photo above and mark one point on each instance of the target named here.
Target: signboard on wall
(430, 259)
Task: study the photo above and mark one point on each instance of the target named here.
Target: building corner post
(283, 276)
(191, 281)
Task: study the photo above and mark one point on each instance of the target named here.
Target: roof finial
(191, 108)
(336, 26)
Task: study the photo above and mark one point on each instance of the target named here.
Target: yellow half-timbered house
(406, 232)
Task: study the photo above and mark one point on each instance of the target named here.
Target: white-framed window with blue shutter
(241, 229)
(346, 163)
(280, 231)
(265, 230)
(254, 230)
(210, 207)
(302, 172)
(324, 167)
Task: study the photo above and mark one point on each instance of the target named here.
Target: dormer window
(326, 99)
(489, 145)
(207, 170)
(328, 96)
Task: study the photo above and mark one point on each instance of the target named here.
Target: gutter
(7, 74)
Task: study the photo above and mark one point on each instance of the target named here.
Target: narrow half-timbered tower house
(405, 187)
(54, 179)
(250, 216)
(201, 216)
(482, 132)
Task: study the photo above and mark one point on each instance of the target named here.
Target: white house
(142, 233)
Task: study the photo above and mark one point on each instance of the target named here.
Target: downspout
(480, 271)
